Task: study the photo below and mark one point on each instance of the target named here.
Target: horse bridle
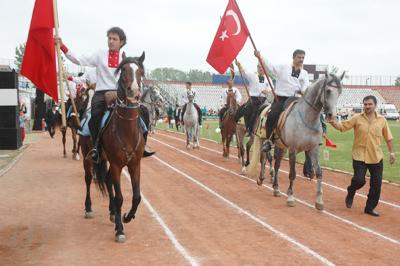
(323, 89)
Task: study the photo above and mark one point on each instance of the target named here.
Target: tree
(19, 55)
(397, 81)
(196, 75)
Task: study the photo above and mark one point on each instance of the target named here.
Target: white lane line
(178, 246)
(302, 177)
(360, 227)
(251, 216)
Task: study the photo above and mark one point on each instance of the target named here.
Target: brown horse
(228, 129)
(81, 101)
(123, 142)
(86, 144)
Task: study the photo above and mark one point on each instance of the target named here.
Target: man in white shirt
(105, 62)
(185, 100)
(224, 96)
(258, 90)
(290, 79)
(84, 80)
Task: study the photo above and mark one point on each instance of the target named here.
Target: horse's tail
(100, 170)
(255, 157)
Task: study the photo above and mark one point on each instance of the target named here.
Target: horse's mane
(332, 78)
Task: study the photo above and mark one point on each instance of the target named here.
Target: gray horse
(302, 131)
(151, 98)
(190, 119)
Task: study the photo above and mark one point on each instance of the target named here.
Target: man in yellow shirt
(369, 127)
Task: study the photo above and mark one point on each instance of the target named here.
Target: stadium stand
(391, 95)
(354, 96)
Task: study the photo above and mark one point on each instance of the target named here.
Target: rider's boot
(147, 152)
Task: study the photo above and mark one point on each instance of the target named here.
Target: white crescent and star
(224, 34)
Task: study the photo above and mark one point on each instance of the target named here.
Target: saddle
(284, 115)
(109, 98)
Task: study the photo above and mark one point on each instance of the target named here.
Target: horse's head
(190, 95)
(329, 93)
(130, 80)
(231, 102)
(156, 96)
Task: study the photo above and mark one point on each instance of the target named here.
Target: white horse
(150, 98)
(190, 119)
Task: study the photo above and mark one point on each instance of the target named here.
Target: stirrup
(93, 156)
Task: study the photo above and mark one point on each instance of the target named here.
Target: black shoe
(349, 201)
(147, 153)
(93, 155)
(371, 212)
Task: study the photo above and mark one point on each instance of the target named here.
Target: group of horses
(123, 142)
(299, 130)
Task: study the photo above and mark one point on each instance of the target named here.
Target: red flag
(329, 143)
(39, 63)
(230, 38)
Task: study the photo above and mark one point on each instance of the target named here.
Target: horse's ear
(342, 76)
(123, 56)
(142, 57)
(326, 74)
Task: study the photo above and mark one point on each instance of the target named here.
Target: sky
(359, 36)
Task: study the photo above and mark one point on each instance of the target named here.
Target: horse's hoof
(188, 147)
(244, 170)
(319, 206)
(127, 219)
(88, 215)
(112, 218)
(65, 155)
(277, 193)
(290, 203)
(260, 181)
(120, 238)
(272, 172)
(77, 157)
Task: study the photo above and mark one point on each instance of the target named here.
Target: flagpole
(60, 69)
(259, 59)
(244, 83)
(61, 72)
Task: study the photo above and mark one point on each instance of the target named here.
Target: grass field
(340, 157)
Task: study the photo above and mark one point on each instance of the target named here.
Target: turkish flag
(230, 38)
(39, 62)
(329, 143)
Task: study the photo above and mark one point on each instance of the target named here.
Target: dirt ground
(196, 209)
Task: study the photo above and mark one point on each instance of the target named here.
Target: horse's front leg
(64, 139)
(134, 171)
(88, 201)
(278, 155)
(223, 144)
(271, 168)
(118, 200)
(111, 205)
(263, 157)
(292, 176)
(248, 147)
(187, 138)
(228, 143)
(75, 154)
(314, 155)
